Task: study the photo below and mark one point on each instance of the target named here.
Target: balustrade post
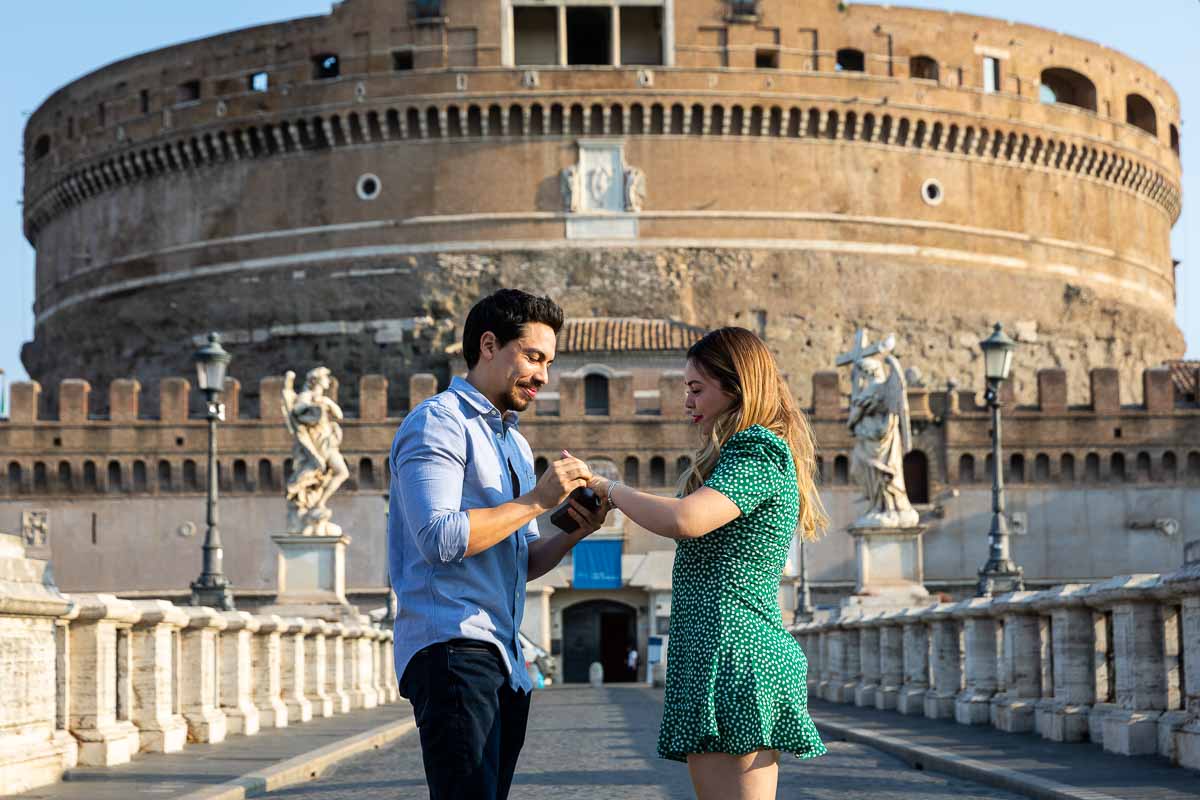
(237, 672)
(946, 651)
(156, 685)
(1130, 726)
(891, 661)
(365, 665)
(981, 638)
(292, 670)
(391, 680)
(267, 655)
(335, 668)
(101, 675)
(832, 675)
(381, 689)
(200, 675)
(316, 664)
(851, 667)
(870, 668)
(916, 663)
(1069, 692)
(1184, 586)
(1020, 663)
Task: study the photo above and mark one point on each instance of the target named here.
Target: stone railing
(1116, 663)
(92, 679)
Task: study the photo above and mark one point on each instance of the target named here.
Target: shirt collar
(467, 391)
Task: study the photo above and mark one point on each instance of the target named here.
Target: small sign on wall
(597, 564)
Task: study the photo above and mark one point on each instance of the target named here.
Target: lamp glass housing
(997, 355)
(211, 361)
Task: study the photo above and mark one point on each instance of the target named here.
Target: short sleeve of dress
(751, 469)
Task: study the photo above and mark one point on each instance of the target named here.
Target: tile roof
(1183, 375)
(618, 334)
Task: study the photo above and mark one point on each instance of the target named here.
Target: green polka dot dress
(736, 679)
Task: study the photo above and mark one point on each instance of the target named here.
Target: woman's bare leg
(720, 776)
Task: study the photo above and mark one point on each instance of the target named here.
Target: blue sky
(50, 43)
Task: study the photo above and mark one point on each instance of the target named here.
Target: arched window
(366, 474)
(1068, 87)
(1175, 138)
(851, 60)
(140, 483)
(658, 471)
(191, 481)
(841, 470)
(90, 482)
(1143, 474)
(1193, 466)
(1140, 112)
(966, 468)
(1016, 468)
(266, 475)
(916, 476)
(1170, 466)
(1116, 467)
(1091, 468)
(923, 68)
(1041, 468)
(682, 465)
(41, 481)
(241, 480)
(41, 148)
(540, 465)
(114, 477)
(631, 472)
(1066, 468)
(65, 481)
(14, 477)
(595, 395)
(165, 483)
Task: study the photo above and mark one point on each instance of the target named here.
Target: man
(631, 661)
(463, 540)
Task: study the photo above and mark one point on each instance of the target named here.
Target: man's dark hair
(505, 313)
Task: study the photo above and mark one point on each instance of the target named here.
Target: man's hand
(559, 480)
(588, 521)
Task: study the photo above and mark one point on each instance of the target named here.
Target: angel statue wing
(289, 400)
(896, 393)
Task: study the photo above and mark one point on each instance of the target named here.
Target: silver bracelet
(612, 486)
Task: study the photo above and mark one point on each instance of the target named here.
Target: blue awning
(598, 564)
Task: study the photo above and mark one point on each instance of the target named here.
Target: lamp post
(804, 606)
(999, 575)
(212, 588)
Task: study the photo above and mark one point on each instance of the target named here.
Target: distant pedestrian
(737, 691)
(631, 662)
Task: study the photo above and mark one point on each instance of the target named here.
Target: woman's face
(705, 400)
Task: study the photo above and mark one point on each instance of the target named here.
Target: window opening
(187, 92)
(402, 60)
(41, 148)
(144, 100)
(851, 60)
(589, 35)
(326, 66)
(1140, 113)
(595, 394)
(991, 74)
(1068, 87)
(923, 68)
(641, 36)
(766, 59)
(260, 82)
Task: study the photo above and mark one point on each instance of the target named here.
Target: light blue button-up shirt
(453, 453)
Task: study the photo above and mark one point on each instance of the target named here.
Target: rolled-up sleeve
(428, 467)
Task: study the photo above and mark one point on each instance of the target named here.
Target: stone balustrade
(91, 679)
(1116, 663)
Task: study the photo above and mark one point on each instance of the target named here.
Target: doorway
(597, 630)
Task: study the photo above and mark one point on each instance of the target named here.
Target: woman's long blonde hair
(744, 367)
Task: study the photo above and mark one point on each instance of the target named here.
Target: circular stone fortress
(339, 189)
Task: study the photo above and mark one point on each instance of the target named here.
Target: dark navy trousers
(471, 722)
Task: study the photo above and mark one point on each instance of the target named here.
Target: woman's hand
(600, 486)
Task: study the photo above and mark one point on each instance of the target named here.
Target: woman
(736, 687)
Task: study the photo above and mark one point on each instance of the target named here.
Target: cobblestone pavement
(599, 744)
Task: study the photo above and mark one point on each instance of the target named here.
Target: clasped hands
(563, 477)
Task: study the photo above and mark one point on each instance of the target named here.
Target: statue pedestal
(891, 569)
(311, 578)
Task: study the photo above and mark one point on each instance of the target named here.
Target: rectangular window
(259, 82)
(535, 34)
(144, 98)
(589, 35)
(402, 60)
(101, 115)
(991, 74)
(766, 59)
(326, 66)
(641, 36)
(188, 92)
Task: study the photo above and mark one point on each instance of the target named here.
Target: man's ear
(488, 345)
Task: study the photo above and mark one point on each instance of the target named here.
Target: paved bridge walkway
(599, 744)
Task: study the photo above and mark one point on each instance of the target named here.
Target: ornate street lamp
(999, 574)
(212, 588)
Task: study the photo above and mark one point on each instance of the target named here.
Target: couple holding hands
(463, 540)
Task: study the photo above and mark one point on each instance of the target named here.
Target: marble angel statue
(318, 469)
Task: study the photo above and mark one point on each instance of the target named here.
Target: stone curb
(304, 767)
(949, 763)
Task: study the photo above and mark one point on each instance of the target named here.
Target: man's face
(521, 368)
